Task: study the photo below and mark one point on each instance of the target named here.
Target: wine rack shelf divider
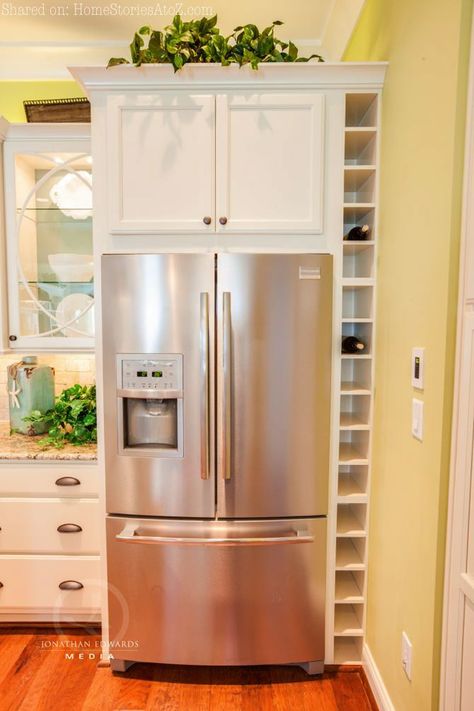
(361, 149)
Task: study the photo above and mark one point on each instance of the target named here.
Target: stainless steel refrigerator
(217, 381)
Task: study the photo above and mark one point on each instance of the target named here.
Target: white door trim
(457, 584)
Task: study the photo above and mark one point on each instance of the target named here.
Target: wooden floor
(36, 675)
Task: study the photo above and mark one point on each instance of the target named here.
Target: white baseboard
(375, 680)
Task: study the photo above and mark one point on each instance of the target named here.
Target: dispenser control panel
(151, 372)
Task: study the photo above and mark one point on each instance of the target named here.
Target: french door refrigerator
(217, 380)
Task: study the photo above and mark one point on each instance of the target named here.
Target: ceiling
(39, 39)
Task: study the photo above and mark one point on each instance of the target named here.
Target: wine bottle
(352, 344)
(358, 233)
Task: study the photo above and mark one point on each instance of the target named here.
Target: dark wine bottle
(358, 233)
(352, 344)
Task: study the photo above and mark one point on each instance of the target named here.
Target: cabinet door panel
(161, 161)
(270, 162)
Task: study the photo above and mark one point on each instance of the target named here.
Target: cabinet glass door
(51, 297)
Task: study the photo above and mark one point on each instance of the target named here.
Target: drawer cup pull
(70, 585)
(67, 481)
(69, 528)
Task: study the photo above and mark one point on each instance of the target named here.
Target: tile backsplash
(69, 369)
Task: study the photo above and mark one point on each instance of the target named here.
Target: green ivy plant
(72, 420)
(201, 41)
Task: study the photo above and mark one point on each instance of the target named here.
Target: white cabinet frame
(343, 644)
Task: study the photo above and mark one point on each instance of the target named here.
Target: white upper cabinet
(214, 158)
(270, 162)
(228, 163)
(161, 162)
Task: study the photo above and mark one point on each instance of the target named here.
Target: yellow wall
(13, 93)
(427, 45)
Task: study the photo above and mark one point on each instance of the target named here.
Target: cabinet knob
(67, 481)
(223, 220)
(1, 585)
(69, 528)
(12, 338)
(70, 585)
(207, 220)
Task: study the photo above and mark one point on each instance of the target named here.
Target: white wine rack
(361, 139)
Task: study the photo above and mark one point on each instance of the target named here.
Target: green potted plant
(201, 42)
(72, 420)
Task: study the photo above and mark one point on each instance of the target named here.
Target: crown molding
(213, 76)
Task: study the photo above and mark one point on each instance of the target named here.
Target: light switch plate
(418, 368)
(417, 419)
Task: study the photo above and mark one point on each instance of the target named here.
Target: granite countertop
(20, 446)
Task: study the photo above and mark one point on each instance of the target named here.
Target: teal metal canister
(30, 387)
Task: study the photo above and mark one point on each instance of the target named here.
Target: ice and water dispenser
(150, 388)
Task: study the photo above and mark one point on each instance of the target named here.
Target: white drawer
(31, 526)
(33, 583)
(51, 479)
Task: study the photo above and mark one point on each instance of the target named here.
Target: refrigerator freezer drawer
(217, 593)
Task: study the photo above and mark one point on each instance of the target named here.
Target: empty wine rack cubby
(361, 139)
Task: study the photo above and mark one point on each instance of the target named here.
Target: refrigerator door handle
(129, 535)
(205, 428)
(227, 387)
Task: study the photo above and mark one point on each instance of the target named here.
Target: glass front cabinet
(48, 210)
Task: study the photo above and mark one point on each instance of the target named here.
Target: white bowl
(70, 310)
(72, 267)
(73, 195)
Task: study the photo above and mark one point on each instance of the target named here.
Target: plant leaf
(115, 61)
(156, 41)
(312, 56)
(292, 51)
(178, 61)
(135, 47)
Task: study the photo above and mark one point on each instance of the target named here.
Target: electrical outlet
(407, 650)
